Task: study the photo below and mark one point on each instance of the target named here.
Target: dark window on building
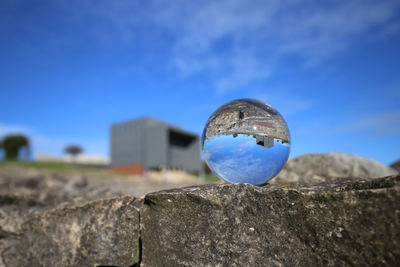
(241, 115)
(180, 139)
(260, 140)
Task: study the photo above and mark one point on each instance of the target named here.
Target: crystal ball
(246, 141)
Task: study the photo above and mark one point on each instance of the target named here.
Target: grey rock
(55, 221)
(100, 233)
(48, 189)
(396, 166)
(316, 168)
(24, 191)
(343, 223)
(246, 116)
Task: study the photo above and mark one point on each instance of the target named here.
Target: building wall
(146, 141)
(187, 158)
(156, 143)
(126, 143)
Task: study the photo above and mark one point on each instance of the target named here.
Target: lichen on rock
(345, 222)
(340, 222)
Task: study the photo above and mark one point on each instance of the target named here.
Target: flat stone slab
(343, 222)
(100, 233)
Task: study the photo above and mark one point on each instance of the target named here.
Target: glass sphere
(246, 141)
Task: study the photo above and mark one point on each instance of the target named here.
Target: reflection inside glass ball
(246, 141)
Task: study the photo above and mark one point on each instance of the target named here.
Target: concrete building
(148, 143)
(265, 141)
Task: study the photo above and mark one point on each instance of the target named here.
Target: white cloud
(260, 34)
(381, 124)
(235, 42)
(373, 125)
(286, 102)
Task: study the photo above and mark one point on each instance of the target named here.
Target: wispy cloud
(373, 125)
(286, 102)
(259, 35)
(381, 124)
(241, 41)
(235, 42)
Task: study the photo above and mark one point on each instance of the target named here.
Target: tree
(1, 150)
(12, 144)
(73, 150)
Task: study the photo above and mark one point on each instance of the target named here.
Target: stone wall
(341, 222)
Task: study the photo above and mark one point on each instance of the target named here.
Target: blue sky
(332, 68)
(240, 160)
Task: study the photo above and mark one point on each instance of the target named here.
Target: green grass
(53, 166)
(211, 178)
(76, 168)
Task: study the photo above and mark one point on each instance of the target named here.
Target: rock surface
(100, 233)
(334, 224)
(316, 168)
(396, 166)
(341, 222)
(22, 192)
